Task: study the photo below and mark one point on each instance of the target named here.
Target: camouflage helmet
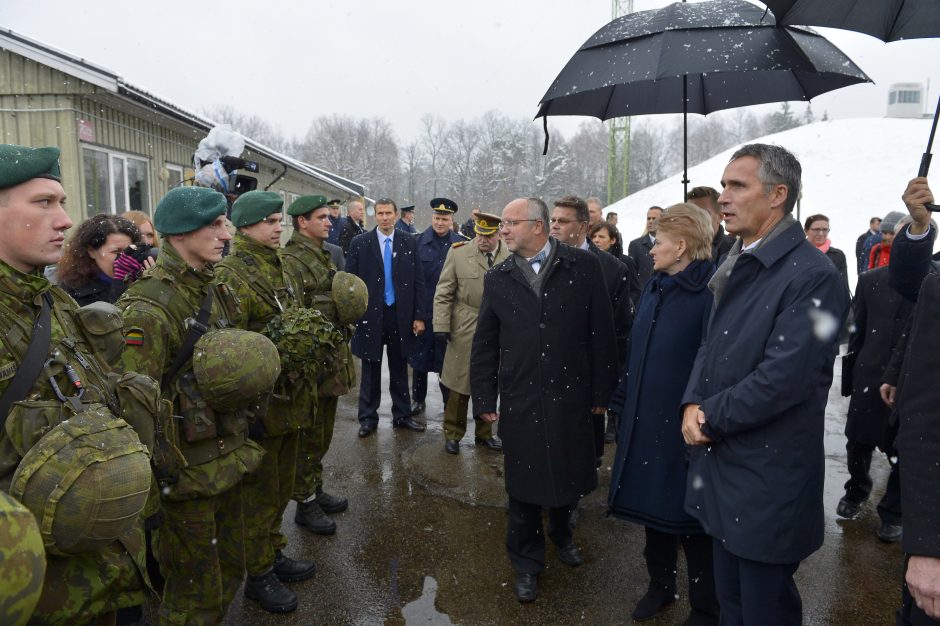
(351, 297)
(22, 562)
(86, 481)
(234, 366)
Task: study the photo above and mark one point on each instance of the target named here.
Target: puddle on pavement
(422, 611)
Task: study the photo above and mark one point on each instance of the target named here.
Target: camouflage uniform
(309, 266)
(200, 544)
(76, 588)
(22, 562)
(253, 271)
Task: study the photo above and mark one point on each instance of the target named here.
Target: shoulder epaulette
(459, 244)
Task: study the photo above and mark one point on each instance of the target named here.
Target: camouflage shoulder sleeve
(22, 562)
(149, 339)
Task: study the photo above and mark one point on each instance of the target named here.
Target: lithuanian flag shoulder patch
(134, 337)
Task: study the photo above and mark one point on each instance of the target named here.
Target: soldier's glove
(445, 337)
(127, 268)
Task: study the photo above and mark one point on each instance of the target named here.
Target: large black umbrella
(695, 57)
(888, 20)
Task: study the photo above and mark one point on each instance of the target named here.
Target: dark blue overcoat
(365, 261)
(762, 377)
(432, 251)
(647, 484)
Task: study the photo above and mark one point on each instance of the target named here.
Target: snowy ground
(853, 169)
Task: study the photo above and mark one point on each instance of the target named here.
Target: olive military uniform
(77, 588)
(457, 301)
(200, 545)
(310, 267)
(253, 271)
(22, 562)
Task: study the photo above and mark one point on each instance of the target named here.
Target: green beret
(254, 206)
(19, 164)
(305, 204)
(185, 209)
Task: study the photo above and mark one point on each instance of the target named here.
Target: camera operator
(914, 274)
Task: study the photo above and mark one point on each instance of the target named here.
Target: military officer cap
(254, 206)
(408, 209)
(443, 206)
(185, 209)
(334, 202)
(306, 204)
(19, 164)
(485, 224)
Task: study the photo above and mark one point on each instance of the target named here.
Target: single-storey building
(122, 147)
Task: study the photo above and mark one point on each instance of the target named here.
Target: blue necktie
(538, 258)
(389, 287)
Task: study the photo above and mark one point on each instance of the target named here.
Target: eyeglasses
(514, 223)
(563, 220)
(819, 231)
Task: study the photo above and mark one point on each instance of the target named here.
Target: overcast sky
(290, 60)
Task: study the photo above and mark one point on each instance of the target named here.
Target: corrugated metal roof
(109, 80)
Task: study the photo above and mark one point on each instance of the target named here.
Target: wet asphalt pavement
(422, 542)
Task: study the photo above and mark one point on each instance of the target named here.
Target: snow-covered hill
(853, 169)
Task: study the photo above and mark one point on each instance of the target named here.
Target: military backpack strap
(195, 328)
(33, 360)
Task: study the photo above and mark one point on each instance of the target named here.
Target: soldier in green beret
(309, 265)
(253, 271)
(38, 360)
(200, 544)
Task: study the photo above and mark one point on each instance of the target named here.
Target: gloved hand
(127, 268)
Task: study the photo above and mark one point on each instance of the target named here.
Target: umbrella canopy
(719, 50)
(888, 20)
(699, 58)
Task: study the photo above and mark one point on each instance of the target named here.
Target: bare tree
(433, 136)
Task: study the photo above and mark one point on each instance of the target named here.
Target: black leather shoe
(847, 509)
(311, 516)
(527, 587)
(570, 555)
(890, 533)
(492, 443)
(652, 604)
(268, 590)
(410, 423)
(366, 429)
(452, 446)
(417, 407)
(289, 570)
(330, 503)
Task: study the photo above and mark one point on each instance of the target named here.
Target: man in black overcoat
(707, 198)
(639, 248)
(569, 222)
(386, 259)
(880, 314)
(543, 348)
(754, 408)
(918, 407)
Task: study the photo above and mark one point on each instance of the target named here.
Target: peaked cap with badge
(444, 206)
(486, 224)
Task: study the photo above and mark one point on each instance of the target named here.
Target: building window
(115, 182)
(291, 197)
(174, 176)
(892, 97)
(909, 97)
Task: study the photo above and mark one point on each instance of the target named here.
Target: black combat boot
(330, 503)
(273, 596)
(289, 570)
(311, 516)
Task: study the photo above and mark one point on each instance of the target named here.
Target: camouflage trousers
(201, 549)
(79, 589)
(267, 491)
(314, 443)
(455, 419)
